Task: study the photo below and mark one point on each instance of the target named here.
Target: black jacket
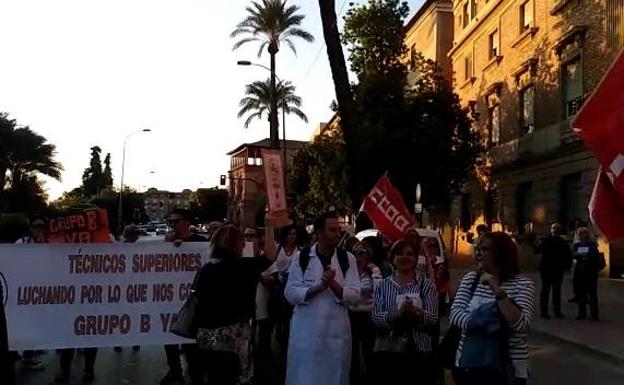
(556, 255)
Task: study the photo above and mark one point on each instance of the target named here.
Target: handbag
(186, 322)
(392, 343)
(450, 343)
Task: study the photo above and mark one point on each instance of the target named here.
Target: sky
(86, 73)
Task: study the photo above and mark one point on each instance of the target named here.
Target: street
(551, 361)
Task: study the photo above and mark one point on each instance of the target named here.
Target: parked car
(162, 229)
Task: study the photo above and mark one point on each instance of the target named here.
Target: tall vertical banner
(386, 208)
(276, 190)
(96, 295)
(600, 124)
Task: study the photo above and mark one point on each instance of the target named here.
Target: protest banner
(276, 191)
(88, 226)
(385, 207)
(96, 295)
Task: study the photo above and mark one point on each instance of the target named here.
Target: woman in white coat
(322, 282)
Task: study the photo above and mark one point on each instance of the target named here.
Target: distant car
(150, 228)
(143, 231)
(161, 229)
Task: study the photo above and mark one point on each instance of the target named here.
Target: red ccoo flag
(385, 207)
(600, 124)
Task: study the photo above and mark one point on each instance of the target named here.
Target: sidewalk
(604, 338)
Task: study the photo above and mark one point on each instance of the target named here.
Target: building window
(493, 122)
(494, 47)
(571, 206)
(572, 87)
(473, 9)
(468, 73)
(465, 15)
(615, 23)
(526, 16)
(527, 116)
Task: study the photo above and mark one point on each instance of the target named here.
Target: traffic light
(222, 180)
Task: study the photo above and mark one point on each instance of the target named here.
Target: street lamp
(248, 63)
(121, 185)
(418, 208)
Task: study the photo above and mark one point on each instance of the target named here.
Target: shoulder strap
(304, 258)
(343, 260)
(475, 283)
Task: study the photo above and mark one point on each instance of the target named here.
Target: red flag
(606, 208)
(600, 124)
(385, 207)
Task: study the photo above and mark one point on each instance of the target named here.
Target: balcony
(532, 144)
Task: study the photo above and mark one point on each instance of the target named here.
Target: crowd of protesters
(338, 310)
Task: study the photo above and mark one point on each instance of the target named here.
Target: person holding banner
(323, 281)
(180, 221)
(226, 291)
(36, 235)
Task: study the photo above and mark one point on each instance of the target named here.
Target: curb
(612, 358)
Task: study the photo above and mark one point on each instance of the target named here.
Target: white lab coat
(319, 350)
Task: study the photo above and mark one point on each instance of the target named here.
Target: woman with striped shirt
(494, 309)
(405, 309)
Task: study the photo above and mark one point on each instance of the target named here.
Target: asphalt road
(552, 362)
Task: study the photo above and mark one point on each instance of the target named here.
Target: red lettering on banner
(386, 209)
(136, 293)
(162, 292)
(91, 220)
(183, 292)
(101, 325)
(168, 320)
(91, 294)
(145, 323)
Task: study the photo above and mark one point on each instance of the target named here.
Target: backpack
(343, 259)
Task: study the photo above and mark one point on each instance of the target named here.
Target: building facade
(247, 188)
(430, 32)
(526, 67)
(159, 203)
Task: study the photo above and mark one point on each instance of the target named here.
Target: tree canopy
(257, 102)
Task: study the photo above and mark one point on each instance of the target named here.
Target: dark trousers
(403, 368)
(67, 356)
(265, 332)
(363, 341)
(588, 293)
(175, 364)
(483, 377)
(551, 282)
(222, 368)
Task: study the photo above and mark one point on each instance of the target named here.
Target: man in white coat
(323, 280)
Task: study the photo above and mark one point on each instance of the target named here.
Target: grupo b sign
(96, 295)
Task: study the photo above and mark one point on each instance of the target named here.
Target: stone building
(158, 203)
(430, 32)
(526, 67)
(247, 189)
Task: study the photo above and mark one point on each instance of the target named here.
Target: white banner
(96, 295)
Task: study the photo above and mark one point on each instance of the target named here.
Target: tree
(345, 103)
(270, 23)
(209, 204)
(318, 178)
(418, 132)
(107, 174)
(257, 103)
(92, 175)
(24, 155)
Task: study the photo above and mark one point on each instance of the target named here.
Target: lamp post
(121, 185)
(248, 63)
(418, 208)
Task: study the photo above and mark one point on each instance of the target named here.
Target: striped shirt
(385, 302)
(521, 291)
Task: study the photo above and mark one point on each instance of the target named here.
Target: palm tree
(23, 155)
(271, 22)
(257, 103)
